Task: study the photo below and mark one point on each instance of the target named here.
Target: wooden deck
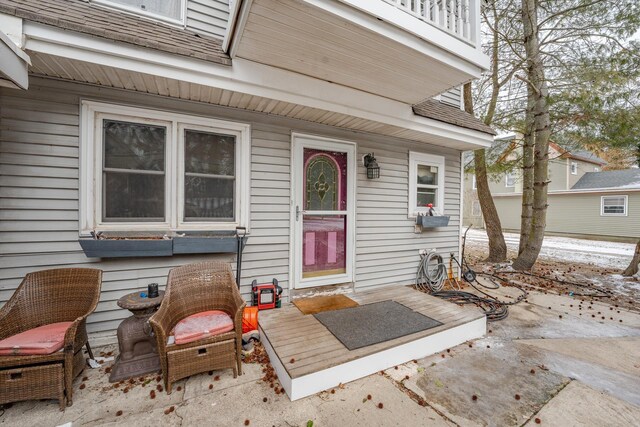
(320, 361)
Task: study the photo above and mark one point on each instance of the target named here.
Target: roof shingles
(84, 17)
(436, 110)
(627, 179)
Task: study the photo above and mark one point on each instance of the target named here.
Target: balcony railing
(459, 18)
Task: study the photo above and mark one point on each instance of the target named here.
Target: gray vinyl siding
(470, 196)
(583, 167)
(558, 174)
(577, 214)
(498, 184)
(208, 17)
(387, 249)
(452, 97)
(39, 145)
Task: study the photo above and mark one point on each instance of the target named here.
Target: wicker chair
(192, 289)
(45, 297)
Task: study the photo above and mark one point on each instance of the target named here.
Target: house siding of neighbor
(578, 214)
(576, 190)
(155, 74)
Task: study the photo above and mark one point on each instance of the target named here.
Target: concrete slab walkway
(586, 371)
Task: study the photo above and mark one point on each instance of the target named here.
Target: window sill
(128, 245)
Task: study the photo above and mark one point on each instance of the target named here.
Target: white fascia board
(395, 24)
(232, 23)
(14, 67)
(245, 77)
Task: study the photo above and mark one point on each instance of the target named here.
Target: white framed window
(474, 183)
(510, 180)
(614, 205)
(426, 183)
(173, 11)
(574, 168)
(145, 169)
(475, 208)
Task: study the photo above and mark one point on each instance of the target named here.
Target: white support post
(467, 29)
(474, 18)
(459, 20)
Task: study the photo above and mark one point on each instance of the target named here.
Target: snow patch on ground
(599, 253)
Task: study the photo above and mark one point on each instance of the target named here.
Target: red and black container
(266, 296)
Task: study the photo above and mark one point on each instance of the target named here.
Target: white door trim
(298, 142)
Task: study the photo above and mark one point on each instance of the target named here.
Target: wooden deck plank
(326, 360)
(322, 362)
(294, 335)
(322, 342)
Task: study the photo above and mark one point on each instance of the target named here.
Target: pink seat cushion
(44, 339)
(202, 325)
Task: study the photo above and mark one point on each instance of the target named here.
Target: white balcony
(405, 50)
(456, 17)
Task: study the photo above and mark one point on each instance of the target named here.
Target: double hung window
(426, 183)
(147, 169)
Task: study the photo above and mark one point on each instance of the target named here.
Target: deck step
(308, 359)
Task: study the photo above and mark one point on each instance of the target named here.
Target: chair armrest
(10, 320)
(71, 335)
(161, 322)
(237, 316)
(237, 311)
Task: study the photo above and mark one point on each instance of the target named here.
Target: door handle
(298, 212)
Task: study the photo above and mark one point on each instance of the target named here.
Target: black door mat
(370, 324)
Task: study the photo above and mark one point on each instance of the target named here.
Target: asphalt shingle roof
(83, 17)
(628, 178)
(436, 110)
(586, 155)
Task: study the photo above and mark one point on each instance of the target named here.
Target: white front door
(323, 207)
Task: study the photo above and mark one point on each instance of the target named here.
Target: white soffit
(247, 85)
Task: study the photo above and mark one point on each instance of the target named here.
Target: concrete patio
(550, 361)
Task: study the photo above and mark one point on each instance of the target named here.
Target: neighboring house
(192, 116)
(584, 201)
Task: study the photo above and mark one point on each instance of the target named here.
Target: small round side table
(136, 342)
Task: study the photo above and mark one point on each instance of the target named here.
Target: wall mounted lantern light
(373, 170)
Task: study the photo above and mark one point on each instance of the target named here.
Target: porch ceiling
(51, 66)
(297, 36)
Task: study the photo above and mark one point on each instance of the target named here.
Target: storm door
(323, 217)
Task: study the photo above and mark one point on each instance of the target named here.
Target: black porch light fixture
(373, 170)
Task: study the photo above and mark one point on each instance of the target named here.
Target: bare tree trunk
(497, 245)
(538, 95)
(632, 270)
(528, 157)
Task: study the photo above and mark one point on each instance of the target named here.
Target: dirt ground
(566, 267)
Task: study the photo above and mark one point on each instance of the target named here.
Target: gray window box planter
(432, 221)
(129, 248)
(133, 245)
(206, 243)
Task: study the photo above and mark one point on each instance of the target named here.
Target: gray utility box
(432, 221)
